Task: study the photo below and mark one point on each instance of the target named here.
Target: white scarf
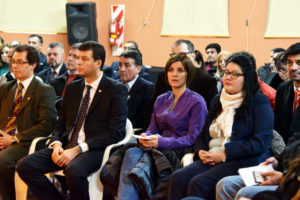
(223, 123)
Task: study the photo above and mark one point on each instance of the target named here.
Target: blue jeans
(233, 187)
(127, 190)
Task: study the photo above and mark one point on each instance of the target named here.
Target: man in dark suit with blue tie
(93, 116)
(140, 90)
(27, 111)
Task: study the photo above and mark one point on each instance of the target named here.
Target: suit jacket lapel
(29, 93)
(11, 96)
(134, 89)
(98, 93)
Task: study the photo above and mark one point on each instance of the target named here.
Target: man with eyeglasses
(27, 111)
(203, 83)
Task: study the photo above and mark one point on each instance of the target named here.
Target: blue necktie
(80, 118)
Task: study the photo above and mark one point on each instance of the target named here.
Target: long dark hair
(247, 64)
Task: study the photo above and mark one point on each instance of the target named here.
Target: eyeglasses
(233, 75)
(19, 62)
(181, 53)
(282, 70)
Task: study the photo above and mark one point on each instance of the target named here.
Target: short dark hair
(187, 64)
(189, 44)
(279, 61)
(97, 49)
(199, 58)
(33, 55)
(38, 36)
(56, 44)
(134, 44)
(276, 50)
(292, 50)
(135, 55)
(247, 63)
(215, 46)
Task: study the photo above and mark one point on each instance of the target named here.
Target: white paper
(247, 173)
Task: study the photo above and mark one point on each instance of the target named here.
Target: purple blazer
(180, 127)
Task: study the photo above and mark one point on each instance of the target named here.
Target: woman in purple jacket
(178, 118)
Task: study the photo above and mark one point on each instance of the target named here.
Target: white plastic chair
(95, 185)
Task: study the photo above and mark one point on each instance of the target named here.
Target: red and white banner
(116, 29)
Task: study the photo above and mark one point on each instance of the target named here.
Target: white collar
(26, 82)
(95, 83)
(131, 83)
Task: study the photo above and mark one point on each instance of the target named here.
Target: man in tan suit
(27, 111)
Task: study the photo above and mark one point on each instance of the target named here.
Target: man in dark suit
(36, 41)
(55, 59)
(93, 116)
(287, 109)
(114, 68)
(27, 111)
(140, 90)
(60, 82)
(203, 83)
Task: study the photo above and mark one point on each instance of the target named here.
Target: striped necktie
(12, 124)
(297, 99)
(80, 118)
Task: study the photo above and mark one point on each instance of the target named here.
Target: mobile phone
(258, 177)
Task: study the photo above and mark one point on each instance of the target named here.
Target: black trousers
(8, 159)
(32, 170)
(199, 180)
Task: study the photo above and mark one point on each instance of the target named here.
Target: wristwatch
(13, 140)
(79, 149)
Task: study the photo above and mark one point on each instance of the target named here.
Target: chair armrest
(187, 159)
(34, 143)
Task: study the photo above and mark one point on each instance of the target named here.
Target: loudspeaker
(81, 22)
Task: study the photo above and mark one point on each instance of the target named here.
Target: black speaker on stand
(81, 22)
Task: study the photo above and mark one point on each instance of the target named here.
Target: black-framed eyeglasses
(233, 75)
(19, 62)
(282, 70)
(181, 53)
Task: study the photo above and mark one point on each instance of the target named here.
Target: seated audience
(139, 89)
(237, 133)
(269, 67)
(212, 50)
(27, 111)
(177, 120)
(4, 50)
(80, 136)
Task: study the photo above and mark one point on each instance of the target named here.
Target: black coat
(150, 175)
(286, 122)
